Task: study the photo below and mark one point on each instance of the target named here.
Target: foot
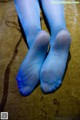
(28, 74)
(53, 68)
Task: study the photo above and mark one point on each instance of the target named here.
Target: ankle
(62, 41)
(55, 32)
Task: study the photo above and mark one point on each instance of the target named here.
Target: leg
(54, 66)
(55, 15)
(29, 15)
(28, 74)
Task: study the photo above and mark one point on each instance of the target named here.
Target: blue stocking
(54, 65)
(37, 39)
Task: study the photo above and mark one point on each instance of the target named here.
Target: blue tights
(36, 65)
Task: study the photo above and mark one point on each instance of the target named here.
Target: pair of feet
(40, 66)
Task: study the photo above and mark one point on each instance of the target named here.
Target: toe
(18, 78)
(49, 88)
(25, 91)
(19, 82)
(45, 87)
